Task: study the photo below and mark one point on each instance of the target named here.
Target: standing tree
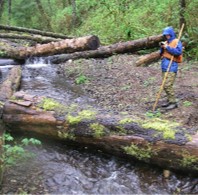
(182, 4)
(44, 15)
(9, 11)
(1, 7)
(74, 14)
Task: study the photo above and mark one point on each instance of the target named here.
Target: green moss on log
(83, 115)
(66, 135)
(166, 127)
(98, 130)
(137, 152)
(49, 104)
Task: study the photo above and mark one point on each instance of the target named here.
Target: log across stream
(73, 117)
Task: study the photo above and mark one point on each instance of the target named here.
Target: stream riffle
(59, 168)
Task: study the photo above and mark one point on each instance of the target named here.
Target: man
(171, 47)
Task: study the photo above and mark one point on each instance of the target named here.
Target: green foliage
(81, 79)
(14, 152)
(121, 20)
(155, 114)
(137, 152)
(187, 103)
(2, 53)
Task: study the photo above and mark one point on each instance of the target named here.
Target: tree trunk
(64, 46)
(11, 84)
(1, 7)
(182, 10)
(44, 16)
(9, 11)
(105, 51)
(148, 59)
(35, 38)
(103, 132)
(34, 31)
(74, 14)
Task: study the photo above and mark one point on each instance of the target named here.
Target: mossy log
(147, 59)
(11, 83)
(65, 46)
(34, 31)
(1, 148)
(106, 51)
(35, 38)
(127, 136)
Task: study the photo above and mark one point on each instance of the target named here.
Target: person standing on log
(171, 47)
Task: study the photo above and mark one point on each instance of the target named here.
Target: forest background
(111, 20)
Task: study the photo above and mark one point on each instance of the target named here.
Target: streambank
(118, 121)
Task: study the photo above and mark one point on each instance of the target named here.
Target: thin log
(103, 132)
(34, 31)
(11, 84)
(147, 59)
(105, 51)
(35, 38)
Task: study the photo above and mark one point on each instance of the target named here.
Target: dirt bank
(117, 85)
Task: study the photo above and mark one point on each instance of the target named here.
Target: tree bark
(105, 51)
(74, 14)
(11, 84)
(1, 7)
(64, 46)
(35, 38)
(9, 11)
(182, 10)
(34, 31)
(23, 114)
(44, 16)
(148, 59)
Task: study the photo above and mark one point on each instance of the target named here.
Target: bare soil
(117, 85)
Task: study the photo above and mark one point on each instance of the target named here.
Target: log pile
(106, 51)
(59, 48)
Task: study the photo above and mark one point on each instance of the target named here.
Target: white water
(36, 63)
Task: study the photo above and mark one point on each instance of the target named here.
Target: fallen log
(11, 84)
(127, 137)
(106, 51)
(4, 62)
(2, 129)
(148, 59)
(65, 46)
(34, 31)
(37, 39)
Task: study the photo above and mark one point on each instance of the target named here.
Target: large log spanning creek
(38, 98)
(61, 111)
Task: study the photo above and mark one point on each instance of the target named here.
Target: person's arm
(161, 51)
(175, 51)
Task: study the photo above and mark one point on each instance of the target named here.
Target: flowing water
(62, 169)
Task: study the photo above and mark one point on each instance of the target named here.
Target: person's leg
(168, 88)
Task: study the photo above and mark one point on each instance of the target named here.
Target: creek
(59, 168)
